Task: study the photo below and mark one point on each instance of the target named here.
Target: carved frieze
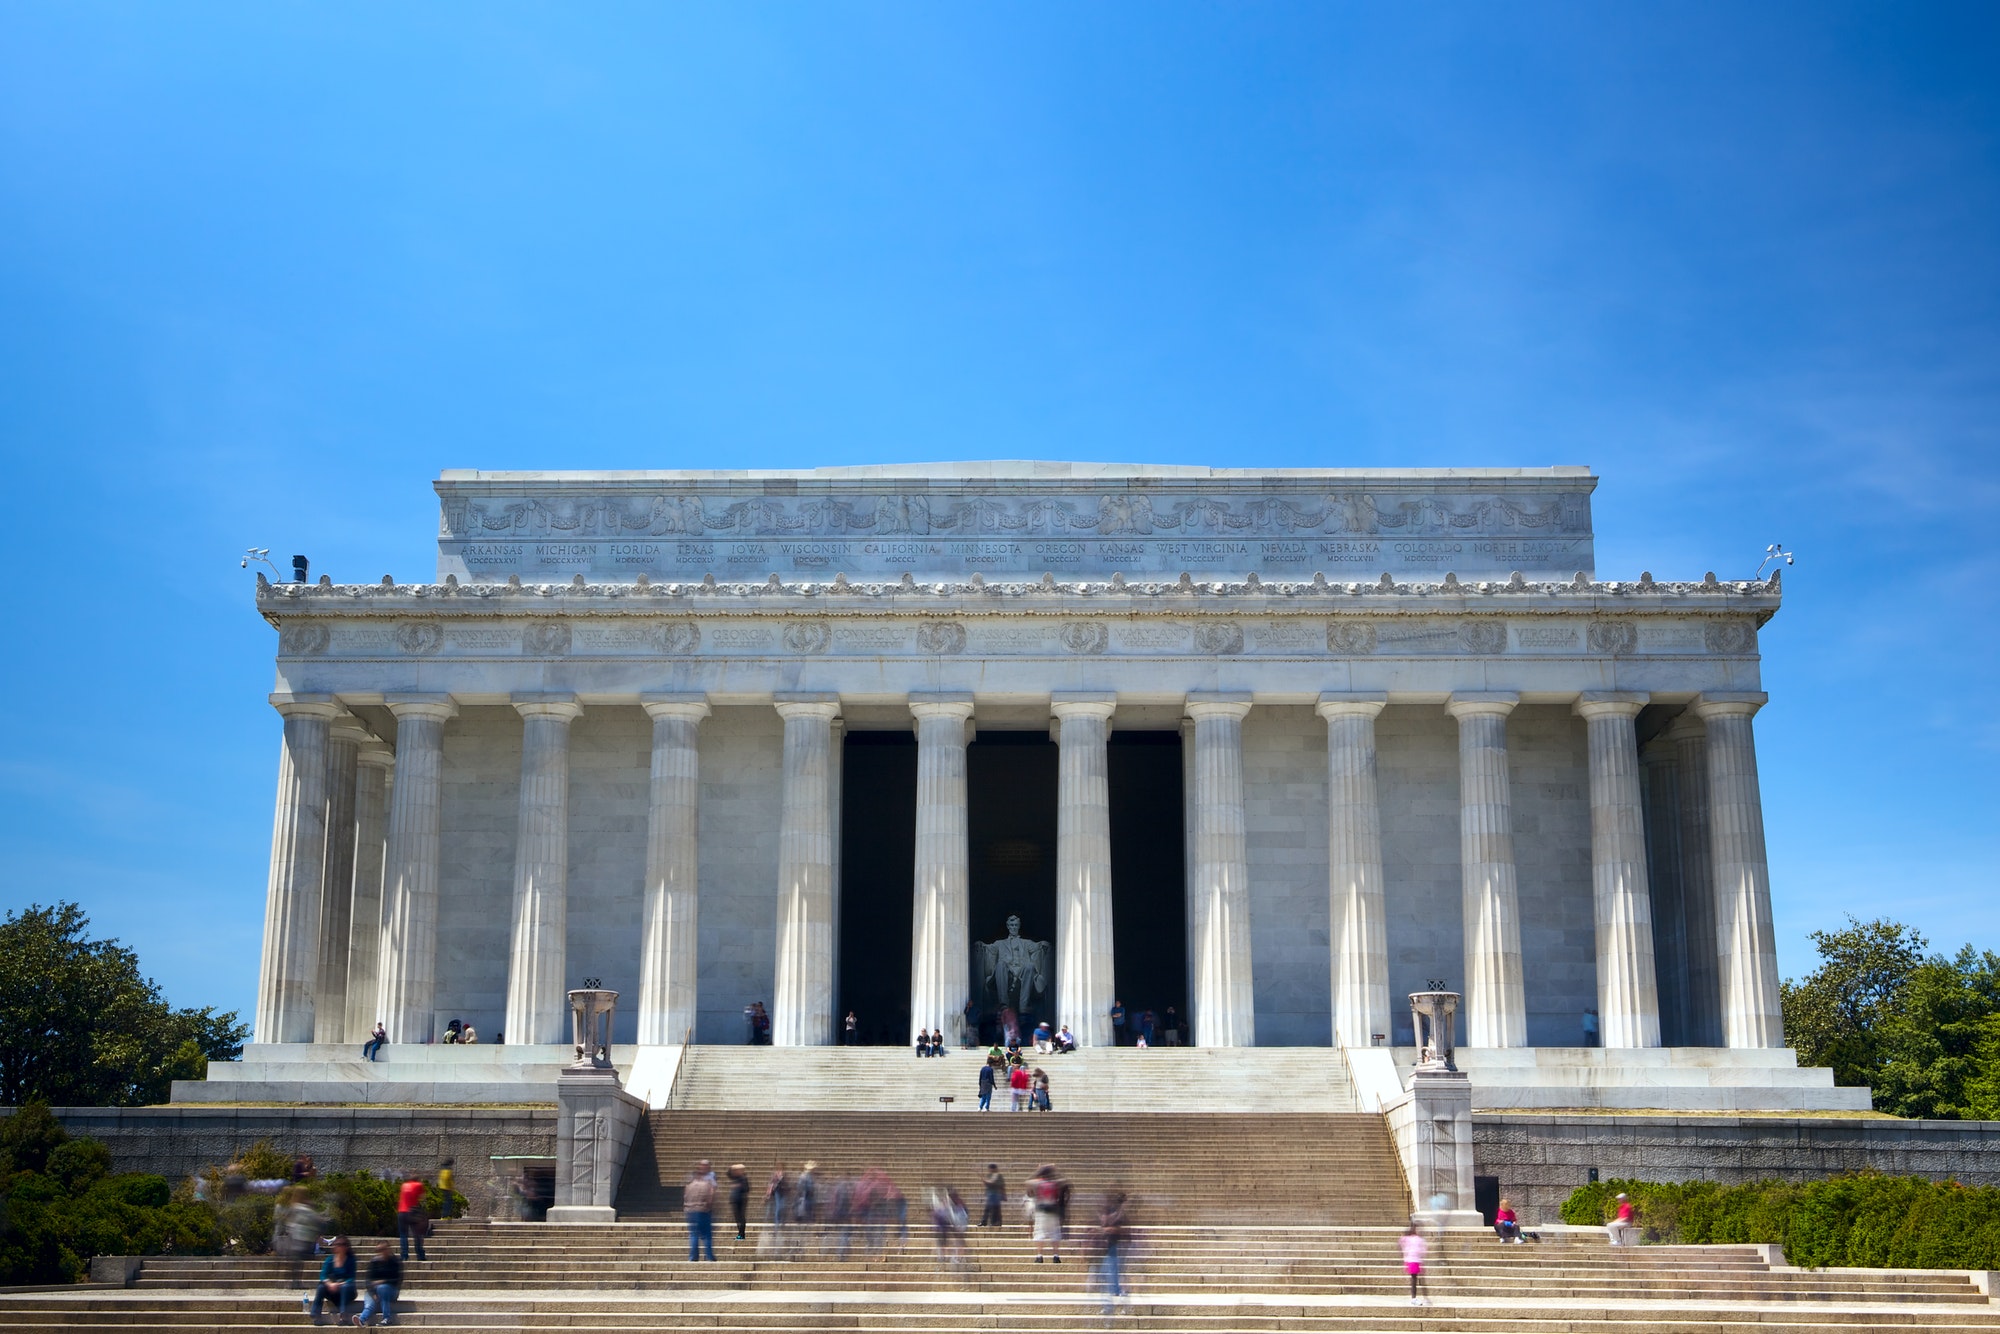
(1483, 635)
(1085, 636)
(545, 639)
(1352, 638)
(1729, 636)
(679, 637)
(1218, 637)
(1616, 638)
(808, 636)
(303, 639)
(941, 637)
(419, 638)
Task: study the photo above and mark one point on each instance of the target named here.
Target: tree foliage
(80, 1026)
(1922, 1030)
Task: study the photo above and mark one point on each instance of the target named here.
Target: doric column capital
(563, 708)
(306, 706)
(437, 708)
(694, 708)
(1474, 703)
(1610, 703)
(1082, 704)
(1218, 704)
(1729, 704)
(1363, 705)
(941, 705)
(807, 706)
(348, 731)
(1686, 726)
(375, 753)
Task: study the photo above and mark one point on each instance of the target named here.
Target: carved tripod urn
(1434, 1020)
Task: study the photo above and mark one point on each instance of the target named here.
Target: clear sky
(265, 269)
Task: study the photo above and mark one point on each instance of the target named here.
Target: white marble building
(1420, 741)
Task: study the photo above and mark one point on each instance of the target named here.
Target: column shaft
(1085, 983)
(537, 966)
(1659, 786)
(1747, 951)
(406, 979)
(336, 905)
(940, 939)
(1496, 1012)
(1628, 1002)
(667, 949)
(1223, 1002)
(1359, 938)
(802, 990)
(1704, 976)
(298, 861)
(371, 828)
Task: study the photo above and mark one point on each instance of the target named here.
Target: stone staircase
(1184, 1168)
(1095, 1079)
(1185, 1280)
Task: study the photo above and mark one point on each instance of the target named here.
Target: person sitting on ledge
(923, 1042)
(1065, 1040)
(1506, 1225)
(451, 1032)
(1044, 1040)
(467, 1036)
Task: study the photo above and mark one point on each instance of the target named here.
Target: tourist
(1065, 1040)
(1017, 1086)
(444, 1188)
(986, 1087)
(1623, 1228)
(1010, 1027)
(1040, 1085)
(1413, 1246)
(451, 1032)
(850, 1028)
(467, 1035)
(1118, 1023)
(1044, 1039)
(1045, 1205)
(1171, 1034)
(996, 1196)
(1112, 1226)
(385, 1280)
(923, 1042)
(412, 1223)
(1506, 1225)
(739, 1196)
(1589, 1027)
(698, 1204)
(948, 1226)
(777, 1194)
(840, 1215)
(805, 1201)
(1140, 1041)
(372, 1049)
(1147, 1023)
(336, 1281)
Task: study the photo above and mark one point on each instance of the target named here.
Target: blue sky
(266, 269)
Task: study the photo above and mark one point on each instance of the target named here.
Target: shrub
(1864, 1220)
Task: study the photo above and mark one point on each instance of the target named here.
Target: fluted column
(1628, 999)
(406, 981)
(667, 954)
(940, 932)
(1689, 737)
(1085, 984)
(1223, 1004)
(336, 902)
(1191, 911)
(1496, 1012)
(802, 989)
(1359, 936)
(1660, 790)
(371, 828)
(298, 861)
(537, 965)
(1746, 950)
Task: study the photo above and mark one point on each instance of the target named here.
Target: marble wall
(1284, 809)
(742, 768)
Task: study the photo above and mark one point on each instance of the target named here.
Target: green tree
(81, 1026)
(1834, 1018)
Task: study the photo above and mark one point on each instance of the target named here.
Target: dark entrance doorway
(1148, 876)
(878, 859)
(1011, 830)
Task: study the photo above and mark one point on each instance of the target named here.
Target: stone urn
(1434, 1020)
(590, 1010)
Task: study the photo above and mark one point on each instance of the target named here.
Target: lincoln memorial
(1275, 748)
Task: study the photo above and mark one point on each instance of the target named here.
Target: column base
(582, 1213)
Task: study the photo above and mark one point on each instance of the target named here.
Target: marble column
(336, 900)
(1085, 983)
(836, 774)
(1660, 789)
(1191, 921)
(298, 861)
(802, 989)
(1356, 912)
(406, 978)
(667, 949)
(1496, 1012)
(537, 964)
(940, 939)
(371, 828)
(1689, 738)
(1746, 950)
(1628, 999)
(1223, 1004)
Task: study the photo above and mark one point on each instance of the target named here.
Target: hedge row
(1866, 1220)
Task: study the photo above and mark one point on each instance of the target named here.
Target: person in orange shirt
(412, 1222)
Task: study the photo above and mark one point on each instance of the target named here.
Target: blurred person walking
(698, 1203)
(1113, 1227)
(777, 1196)
(996, 1197)
(1046, 1192)
(444, 1188)
(1414, 1248)
(412, 1222)
(739, 1196)
(1623, 1229)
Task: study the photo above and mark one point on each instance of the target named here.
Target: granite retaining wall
(1540, 1159)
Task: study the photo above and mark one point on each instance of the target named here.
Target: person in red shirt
(1017, 1084)
(1624, 1228)
(1507, 1224)
(411, 1220)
